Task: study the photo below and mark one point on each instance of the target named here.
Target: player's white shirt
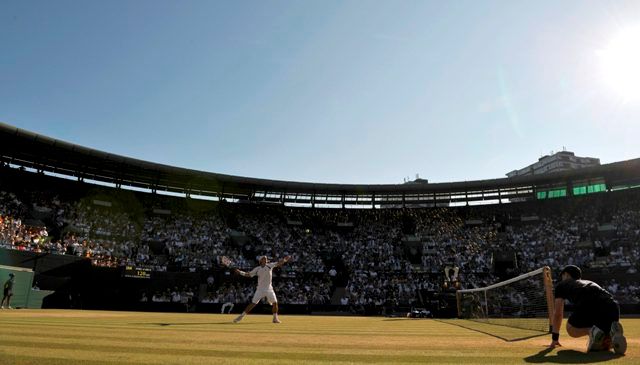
(264, 274)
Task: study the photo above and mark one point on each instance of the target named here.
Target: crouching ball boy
(596, 314)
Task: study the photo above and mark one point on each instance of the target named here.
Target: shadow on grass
(180, 324)
(570, 357)
(190, 323)
(201, 323)
(511, 338)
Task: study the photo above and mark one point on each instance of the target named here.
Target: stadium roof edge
(26, 148)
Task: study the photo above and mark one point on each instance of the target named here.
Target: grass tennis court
(46, 337)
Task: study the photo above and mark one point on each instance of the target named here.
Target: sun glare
(620, 62)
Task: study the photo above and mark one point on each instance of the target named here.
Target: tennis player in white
(264, 289)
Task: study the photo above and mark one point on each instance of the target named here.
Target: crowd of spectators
(185, 295)
(364, 251)
(627, 292)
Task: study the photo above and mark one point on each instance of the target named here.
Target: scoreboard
(137, 272)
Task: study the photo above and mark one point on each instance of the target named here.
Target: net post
(486, 306)
(548, 290)
(458, 301)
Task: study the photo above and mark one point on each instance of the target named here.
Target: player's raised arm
(245, 274)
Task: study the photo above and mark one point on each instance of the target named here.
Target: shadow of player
(201, 323)
(570, 357)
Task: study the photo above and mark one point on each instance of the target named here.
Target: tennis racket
(226, 262)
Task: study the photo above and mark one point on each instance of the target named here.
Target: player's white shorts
(268, 293)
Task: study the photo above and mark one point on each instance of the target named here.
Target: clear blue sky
(324, 91)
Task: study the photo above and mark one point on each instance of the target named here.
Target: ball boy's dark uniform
(8, 287)
(593, 306)
(8, 291)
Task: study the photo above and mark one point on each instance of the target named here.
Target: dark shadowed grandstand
(103, 231)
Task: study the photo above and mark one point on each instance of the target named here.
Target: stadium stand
(375, 267)
(365, 261)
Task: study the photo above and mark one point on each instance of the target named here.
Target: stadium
(231, 182)
(113, 245)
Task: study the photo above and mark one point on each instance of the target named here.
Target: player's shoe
(276, 320)
(238, 319)
(617, 338)
(596, 338)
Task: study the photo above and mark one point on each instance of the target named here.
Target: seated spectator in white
(344, 300)
(175, 296)
(227, 305)
(208, 299)
(210, 282)
(157, 298)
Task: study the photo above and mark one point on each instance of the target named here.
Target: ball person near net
(265, 289)
(8, 291)
(596, 314)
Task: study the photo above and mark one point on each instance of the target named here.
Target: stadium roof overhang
(30, 150)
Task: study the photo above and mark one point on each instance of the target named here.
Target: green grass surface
(46, 337)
